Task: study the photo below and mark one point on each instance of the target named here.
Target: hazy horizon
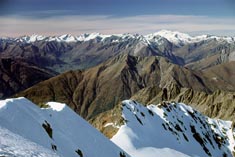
(51, 17)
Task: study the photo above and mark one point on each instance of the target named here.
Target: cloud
(143, 24)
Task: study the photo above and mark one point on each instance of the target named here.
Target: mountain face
(163, 66)
(171, 129)
(69, 52)
(62, 55)
(52, 130)
(17, 75)
(147, 79)
(100, 88)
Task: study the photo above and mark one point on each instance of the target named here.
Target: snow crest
(172, 129)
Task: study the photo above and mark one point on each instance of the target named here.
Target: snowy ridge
(54, 130)
(70, 38)
(172, 129)
(181, 39)
(174, 37)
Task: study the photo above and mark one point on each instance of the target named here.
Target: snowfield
(55, 130)
(13, 145)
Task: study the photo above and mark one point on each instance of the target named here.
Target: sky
(57, 17)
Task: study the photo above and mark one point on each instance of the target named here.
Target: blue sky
(54, 17)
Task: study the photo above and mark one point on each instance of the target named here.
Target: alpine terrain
(68, 52)
(52, 130)
(167, 129)
(172, 129)
(163, 94)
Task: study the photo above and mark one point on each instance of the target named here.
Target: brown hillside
(100, 88)
(17, 75)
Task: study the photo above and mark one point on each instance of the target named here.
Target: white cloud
(143, 24)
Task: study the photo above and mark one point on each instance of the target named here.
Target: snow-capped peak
(31, 39)
(175, 37)
(67, 38)
(87, 37)
(175, 34)
(36, 37)
(181, 39)
(172, 36)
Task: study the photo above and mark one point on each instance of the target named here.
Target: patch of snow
(214, 78)
(111, 124)
(56, 106)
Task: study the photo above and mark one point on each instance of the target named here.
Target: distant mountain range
(67, 52)
(175, 37)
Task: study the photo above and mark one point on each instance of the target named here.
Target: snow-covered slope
(167, 129)
(13, 145)
(55, 130)
(172, 129)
